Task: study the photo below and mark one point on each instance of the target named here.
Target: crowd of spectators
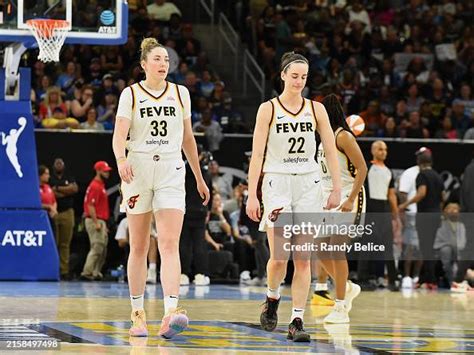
(82, 91)
(406, 67)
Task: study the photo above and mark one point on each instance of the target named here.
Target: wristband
(121, 160)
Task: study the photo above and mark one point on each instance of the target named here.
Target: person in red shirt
(48, 200)
(96, 213)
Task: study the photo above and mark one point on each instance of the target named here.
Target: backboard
(101, 22)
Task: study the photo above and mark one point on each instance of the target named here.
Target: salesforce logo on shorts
(23, 238)
(107, 17)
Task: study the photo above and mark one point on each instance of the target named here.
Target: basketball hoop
(50, 35)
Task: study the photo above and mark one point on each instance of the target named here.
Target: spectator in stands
(459, 119)
(64, 187)
(97, 213)
(357, 13)
(162, 10)
(414, 128)
(66, 80)
(48, 200)
(94, 74)
(122, 238)
(447, 130)
(51, 100)
(106, 111)
(221, 183)
(191, 83)
(44, 85)
(91, 121)
(206, 86)
(438, 100)
(389, 130)
(450, 240)
(219, 230)
(466, 99)
(229, 119)
(373, 118)
(401, 112)
(59, 120)
(413, 100)
(179, 76)
(81, 104)
(217, 95)
(211, 129)
(111, 59)
(107, 86)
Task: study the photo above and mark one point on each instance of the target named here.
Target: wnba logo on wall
(10, 140)
(23, 238)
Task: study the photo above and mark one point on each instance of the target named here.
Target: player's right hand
(253, 208)
(125, 171)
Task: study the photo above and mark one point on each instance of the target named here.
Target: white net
(50, 35)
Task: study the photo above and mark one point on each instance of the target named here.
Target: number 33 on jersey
(291, 145)
(157, 120)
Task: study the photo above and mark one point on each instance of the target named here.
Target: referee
(381, 200)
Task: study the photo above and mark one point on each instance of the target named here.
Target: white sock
(340, 302)
(170, 303)
(152, 266)
(275, 294)
(321, 286)
(137, 302)
(297, 313)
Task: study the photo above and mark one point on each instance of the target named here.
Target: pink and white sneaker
(173, 323)
(138, 328)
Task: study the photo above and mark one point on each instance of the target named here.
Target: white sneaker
(201, 280)
(338, 315)
(184, 281)
(256, 281)
(407, 282)
(245, 277)
(151, 277)
(461, 287)
(352, 291)
(341, 338)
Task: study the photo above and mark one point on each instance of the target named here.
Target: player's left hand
(203, 192)
(334, 200)
(346, 206)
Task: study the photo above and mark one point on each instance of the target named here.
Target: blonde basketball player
(353, 173)
(156, 114)
(284, 145)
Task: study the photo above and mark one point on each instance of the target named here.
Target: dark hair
(424, 159)
(42, 169)
(337, 118)
(290, 57)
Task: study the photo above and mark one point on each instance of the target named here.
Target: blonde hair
(147, 45)
(51, 90)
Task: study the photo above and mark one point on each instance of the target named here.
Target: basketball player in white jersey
(284, 148)
(353, 173)
(156, 114)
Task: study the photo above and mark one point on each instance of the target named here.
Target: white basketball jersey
(157, 122)
(347, 169)
(291, 143)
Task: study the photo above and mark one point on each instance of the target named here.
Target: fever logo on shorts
(132, 201)
(273, 216)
